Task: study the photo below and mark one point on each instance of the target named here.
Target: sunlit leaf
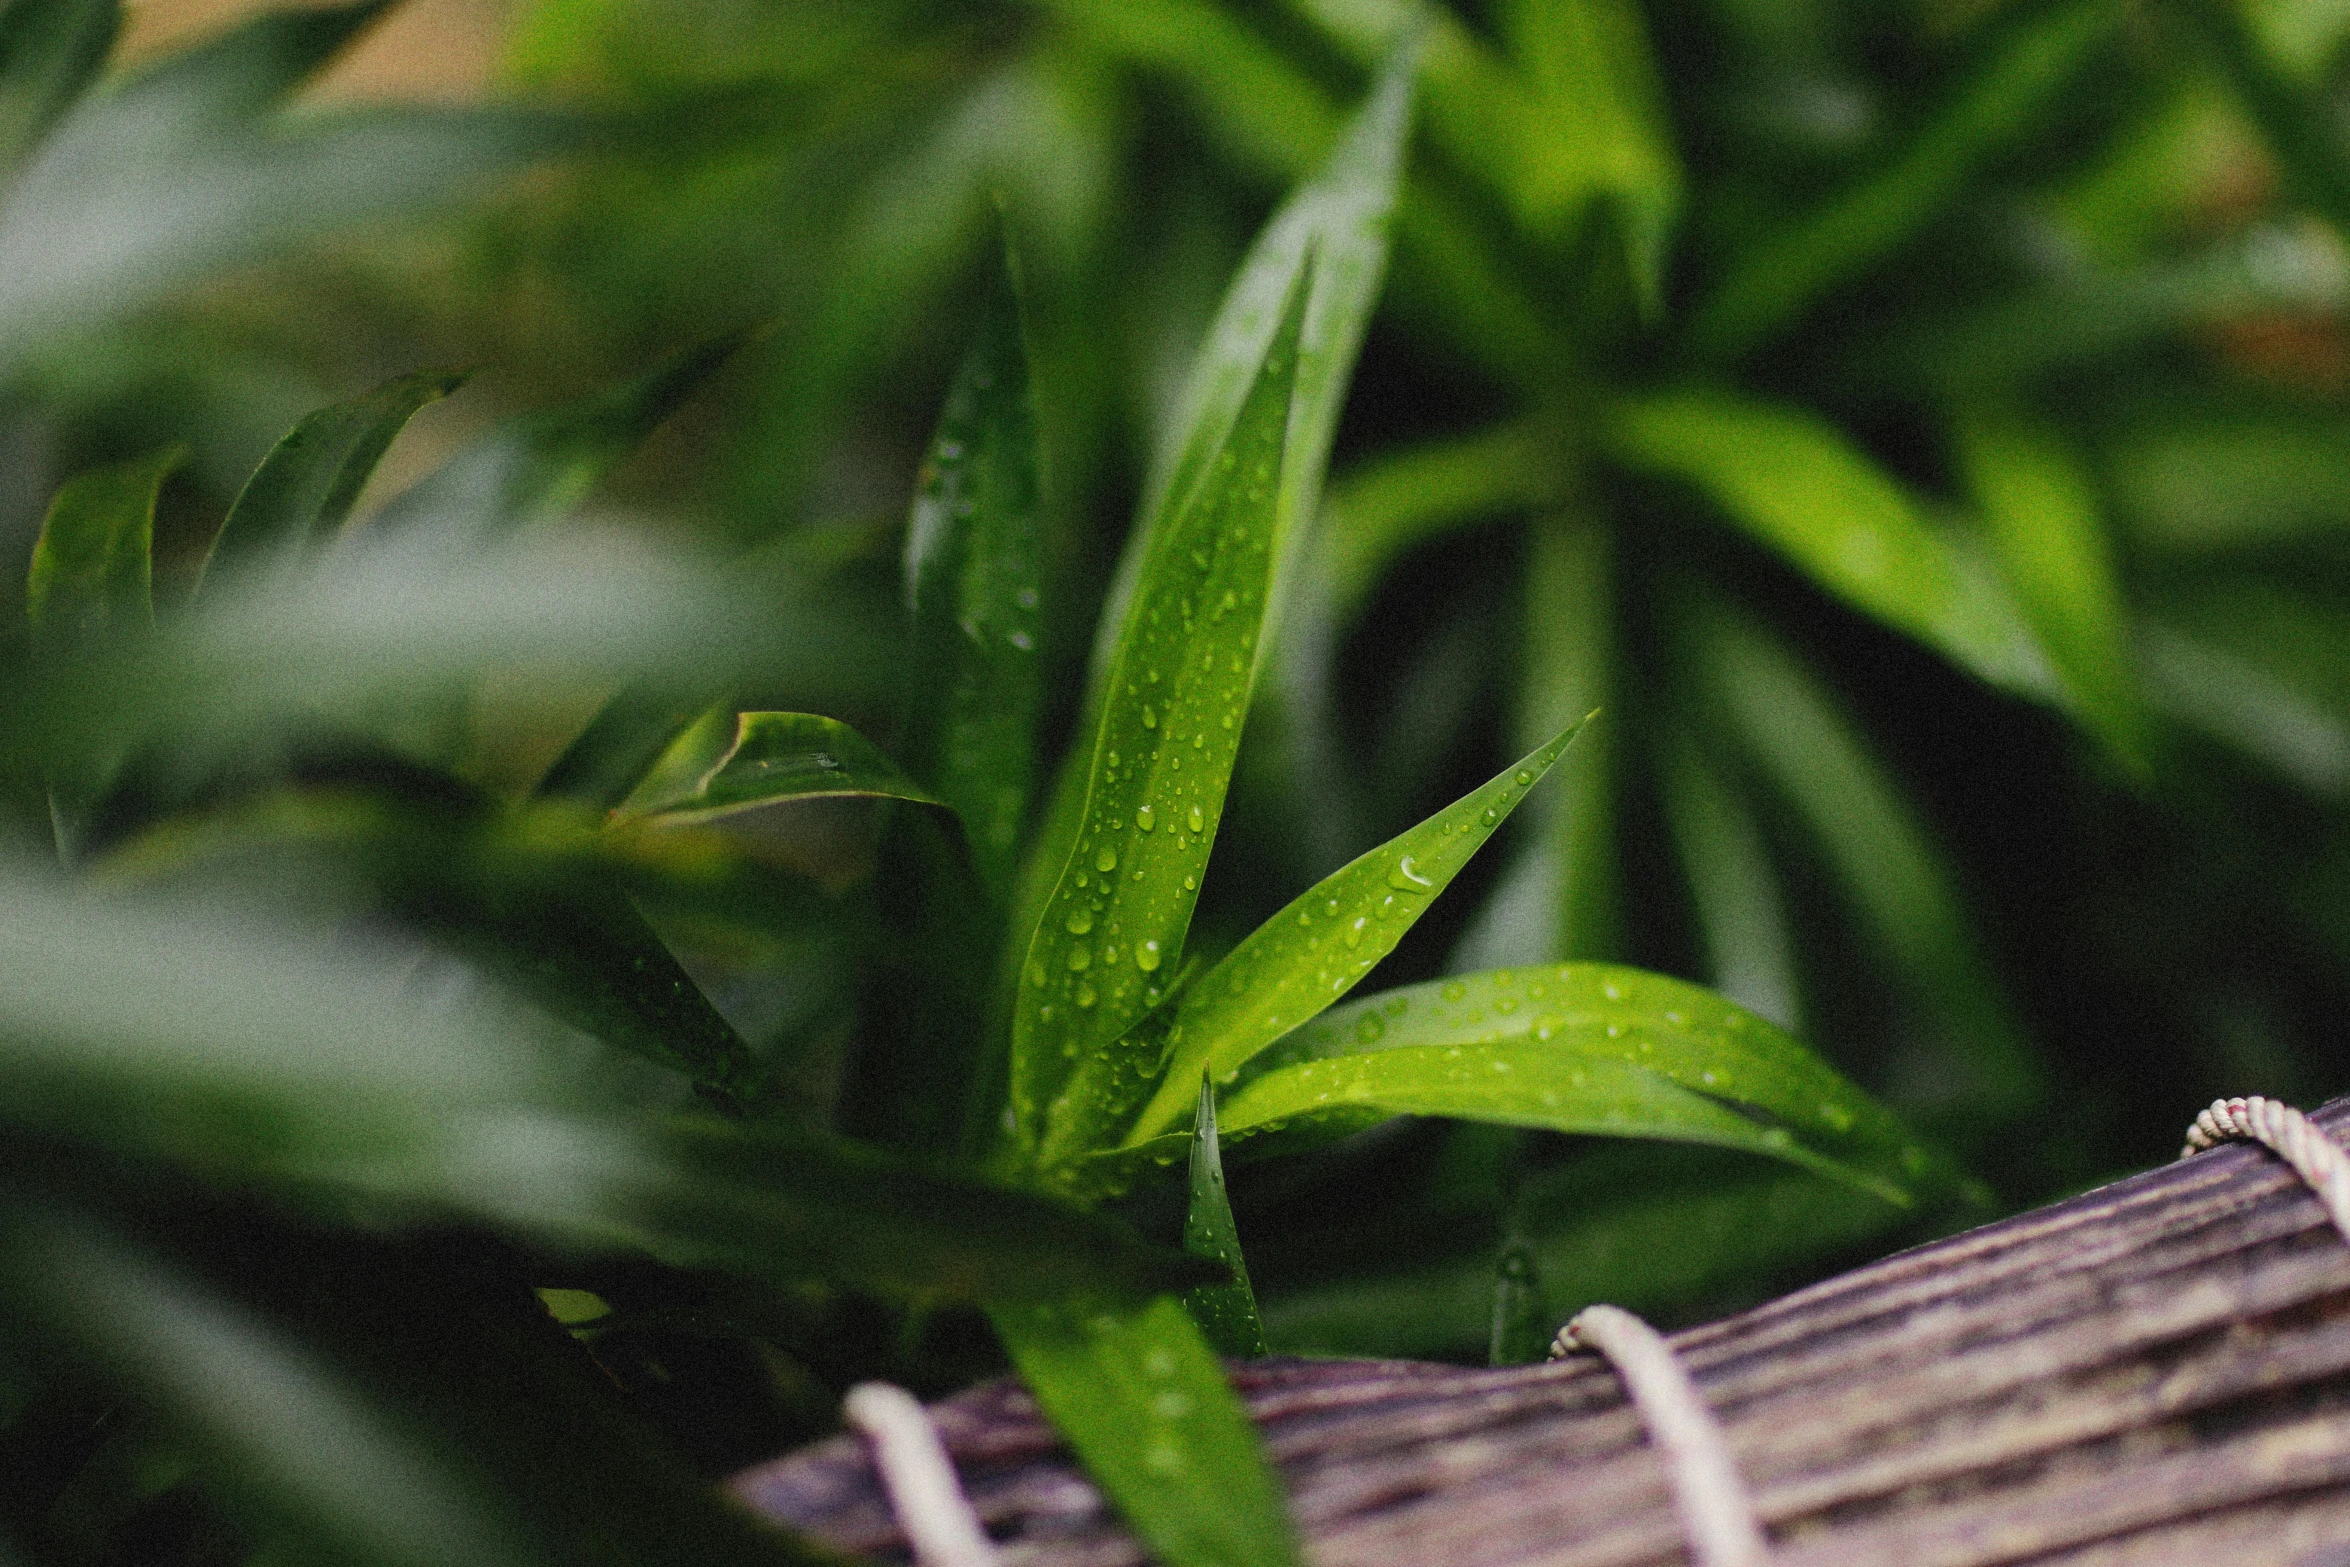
(1156, 772)
(1144, 1400)
(1800, 487)
(1780, 278)
(304, 489)
(974, 585)
(2225, 481)
(1881, 855)
(1588, 1048)
(1320, 946)
(1226, 1313)
(50, 50)
(2045, 521)
(776, 757)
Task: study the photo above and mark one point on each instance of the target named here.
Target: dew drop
(1150, 718)
(1406, 877)
(1524, 777)
(1190, 885)
(1454, 991)
(1080, 957)
(1036, 974)
(1354, 932)
(1197, 820)
(1145, 819)
(1368, 1028)
(1146, 957)
(1106, 861)
(1490, 817)
(1080, 921)
(1085, 996)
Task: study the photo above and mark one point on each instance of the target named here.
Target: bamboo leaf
(1785, 275)
(50, 52)
(1156, 772)
(973, 586)
(1733, 889)
(304, 489)
(1801, 488)
(1588, 1048)
(776, 757)
(1321, 945)
(1227, 1312)
(1141, 1396)
(2294, 116)
(2045, 521)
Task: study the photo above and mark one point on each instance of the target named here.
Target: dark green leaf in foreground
(1142, 1397)
(304, 489)
(776, 757)
(1156, 774)
(201, 1038)
(973, 586)
(1800, 487)
(1320, 946)
(1588, 1048)
(50, 50)
(1226, 1313)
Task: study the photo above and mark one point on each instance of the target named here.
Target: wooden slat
(2154, 1372)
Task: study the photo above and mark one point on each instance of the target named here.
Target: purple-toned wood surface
(2157, 1371)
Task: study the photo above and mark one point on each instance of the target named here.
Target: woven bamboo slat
(2154, 1372)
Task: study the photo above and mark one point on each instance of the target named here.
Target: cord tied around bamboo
(1717, 1515)
(2288, 1134)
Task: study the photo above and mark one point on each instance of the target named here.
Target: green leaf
(776, 757)
(1733, 889)
(304, 490)
(89, 584)
(1522, 1329)
(204, 1037)
(89, 596)
(1404, 497)
(50, 52)
(1320, 946)
(973, 585)
(2221, 481)
(1781, 278)
(183, 171)
(1800, 487)
(1588, 1048)
(2044, 518)
(1156, 771)
(536, 467)
(1809, 751)
(1141, 1396)
(2296, 117)
(1226, 1313)
(352, 1404)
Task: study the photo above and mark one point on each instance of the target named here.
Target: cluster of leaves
(499, 1052)
(347, 1056)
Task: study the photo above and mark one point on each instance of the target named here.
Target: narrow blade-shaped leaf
(2294, 116)
(1805, 491)
(50, 51)
(1591, 1048)
(1522, 1330)
(1784, 275)
(1320, 946)
(1143, 1400)
(535, 467)
(1733, 887)
(1226, 1312)
(1156, 773)
(89, 585)
(304, 489)
(776, 757)
(2042, 509)
(974, 587)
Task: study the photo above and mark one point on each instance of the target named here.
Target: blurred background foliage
(1918, 428)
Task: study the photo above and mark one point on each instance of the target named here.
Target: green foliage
(551, 836)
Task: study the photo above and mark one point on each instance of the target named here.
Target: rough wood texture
(2156, 1372)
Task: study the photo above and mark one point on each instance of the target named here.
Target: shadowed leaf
(776, 757)
(50, 50)
(1226, 1313)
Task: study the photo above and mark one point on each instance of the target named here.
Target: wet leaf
(1588, 1048)
(776, 757)
(1144, 1401)
(973, 585)
(1780, 279)
(1320, 946)
(1157, 769)
(50, 52)
(1800, 487)
(1226, 1313)
(303, 492)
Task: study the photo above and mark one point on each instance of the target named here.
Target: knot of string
(1717, 1514)
(2288, 1134)
(924, 1492)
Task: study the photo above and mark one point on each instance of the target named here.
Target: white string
(1717, 1515)
(923, 1490)
(2291, 1136)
